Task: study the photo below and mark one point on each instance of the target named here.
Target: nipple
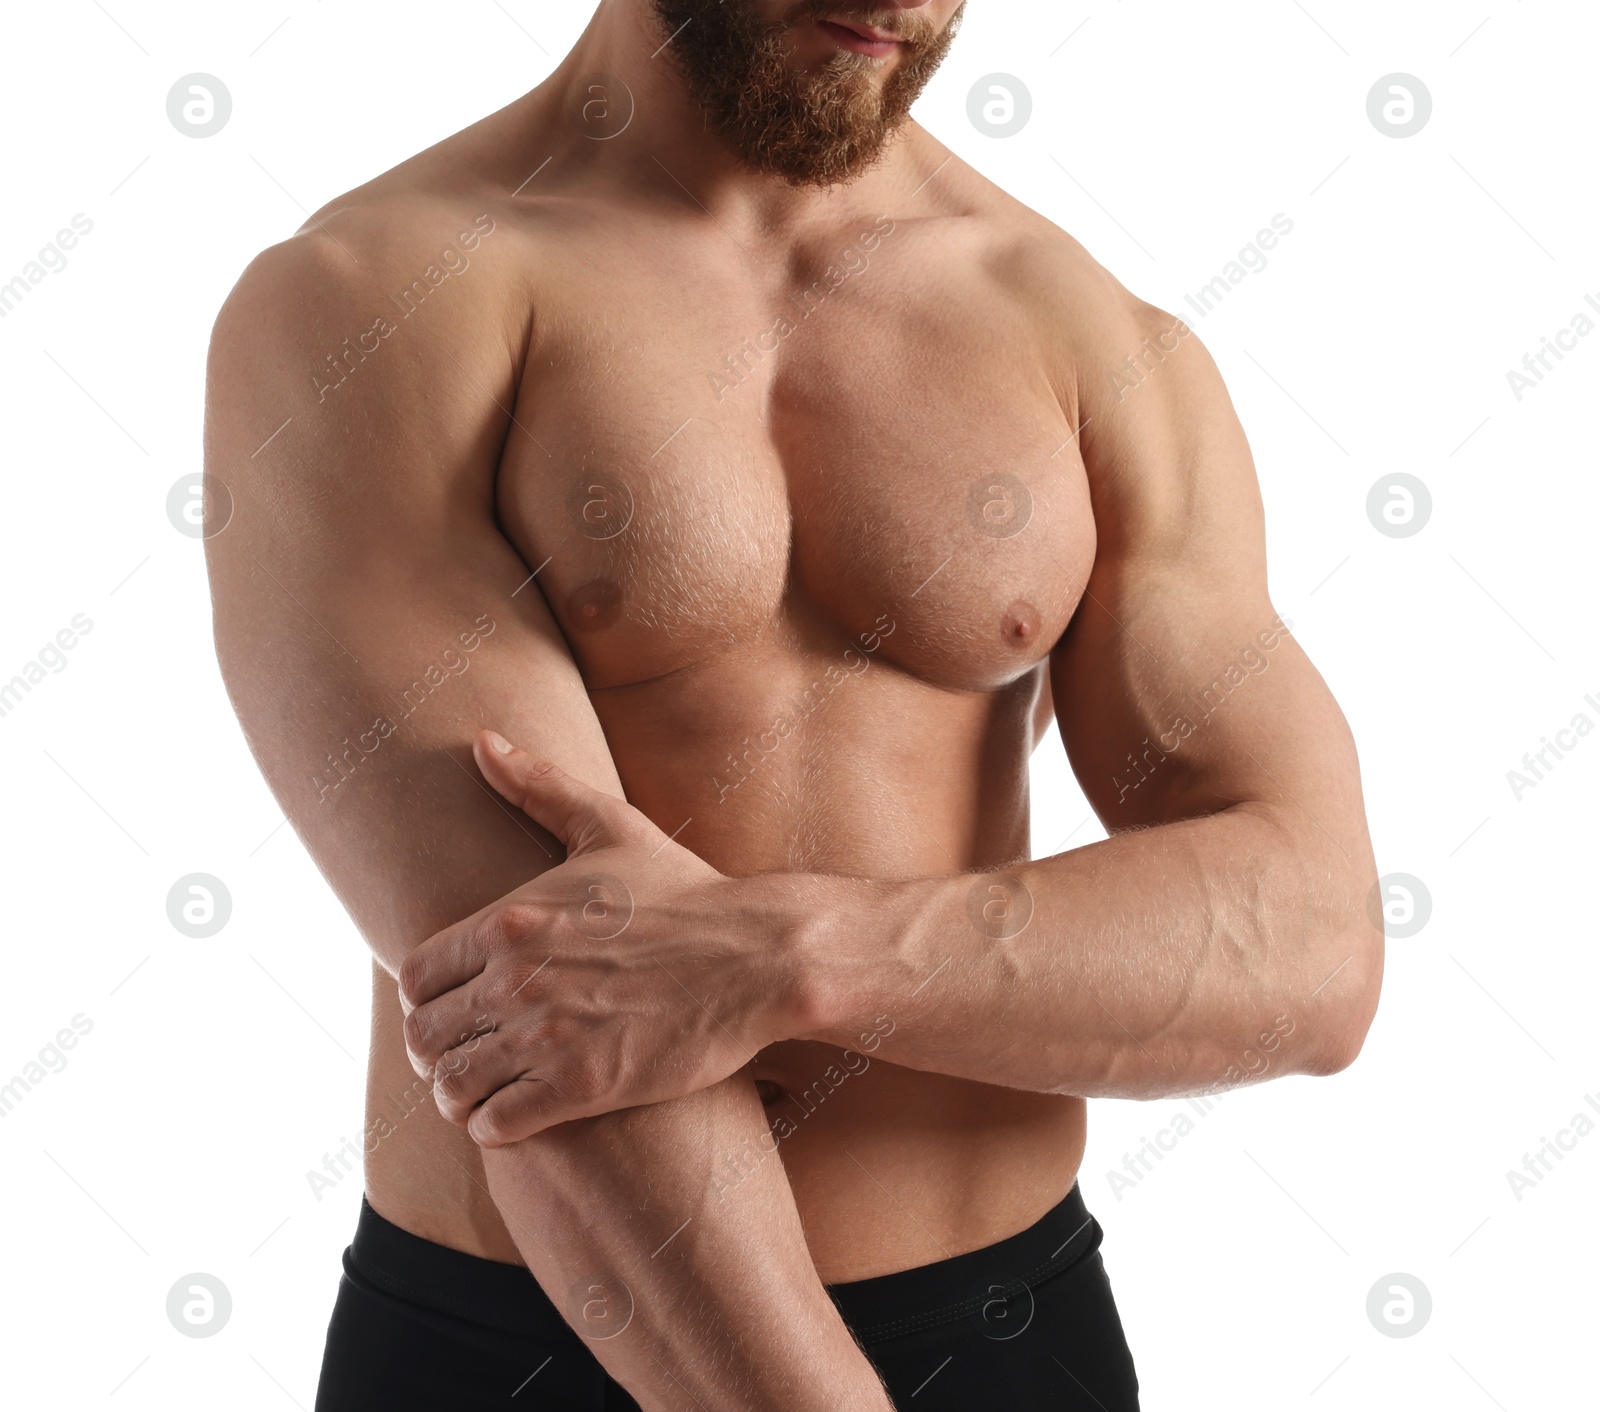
(596, 605)
(1020, 624)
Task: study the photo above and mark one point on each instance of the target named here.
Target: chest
(703, 467)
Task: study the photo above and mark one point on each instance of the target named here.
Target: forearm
(1158, 962)
(692, 1294)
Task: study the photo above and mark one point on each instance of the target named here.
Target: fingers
(444, 961)
(434, 1030)
(522, 1108)
(489, 1069)
(581, 817)
(473, 1071)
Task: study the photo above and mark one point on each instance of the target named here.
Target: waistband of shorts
(430, 1276)
(980, 1285)
(985, 1287)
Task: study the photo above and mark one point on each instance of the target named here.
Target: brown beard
(815, 128)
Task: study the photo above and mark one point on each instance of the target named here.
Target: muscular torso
(810, 588)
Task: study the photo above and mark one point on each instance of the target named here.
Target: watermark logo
(602, 108)
(199, 105)
(600, 906)
(199, 1305)
(600, 1307)
(999, 906)
(999, 105)
(1399, 905)
(600, 505)
(199, 905)
(999, 505)
(1399, 1305)
(199, 507)
(1399, 105)
(1399, 505)
(1007, 1311)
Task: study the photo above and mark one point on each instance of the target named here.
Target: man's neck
(623, 62)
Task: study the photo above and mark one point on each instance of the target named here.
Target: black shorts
(1027, 1323)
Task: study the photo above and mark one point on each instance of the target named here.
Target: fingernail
(499, 743)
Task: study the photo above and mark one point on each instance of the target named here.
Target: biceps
(360, 692)
(1175, 705)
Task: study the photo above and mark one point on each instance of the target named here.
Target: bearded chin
(818, 128)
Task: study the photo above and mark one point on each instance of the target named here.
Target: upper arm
(369, 616)
(1178, 690)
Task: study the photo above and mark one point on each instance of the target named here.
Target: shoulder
(389, 327)
(434, 209)
(1159, 438)
(373, 353)
(436, 229)
(1098, 323)
(364, 263)
(1095, 335)
(1128, 362)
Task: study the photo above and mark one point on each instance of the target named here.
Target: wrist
(830, 950)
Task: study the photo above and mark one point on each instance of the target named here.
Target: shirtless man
(705, 429)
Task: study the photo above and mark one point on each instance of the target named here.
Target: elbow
(1347, 1001)
(1330, 948)
(1338, 1050)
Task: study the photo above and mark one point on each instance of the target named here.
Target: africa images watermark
(352, 353)
(1537, 1165)
(52, 657)
(1253, 1063)
(52, 259)
(351, 756)
(1563, 341)
(51, 1060)
(1153, 351)
(736, 366)
(1251, 662)
(341, 1162)
(1251, 260)
(736, 1166)
(751, 758)
(1136, 367)
(1537, 764)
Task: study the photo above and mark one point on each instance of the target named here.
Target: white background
(1377, 340)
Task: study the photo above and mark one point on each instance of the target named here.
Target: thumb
(580, 816)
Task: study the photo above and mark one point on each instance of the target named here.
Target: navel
(1020, 624)
(596, 605)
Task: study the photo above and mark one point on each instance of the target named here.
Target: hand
(632, 973)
